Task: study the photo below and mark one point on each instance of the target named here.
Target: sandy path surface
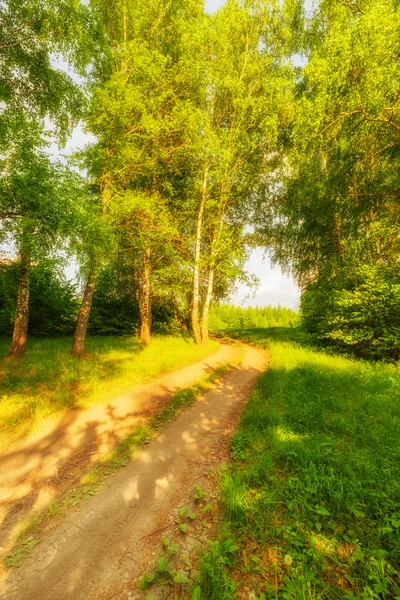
(99, 552)
(44, 465)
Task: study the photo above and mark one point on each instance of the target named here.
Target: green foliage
(39, 198)
(313, 490)
(215, 578)
(360, 315)
(32, 33)
(114, 308)
(333, 218)
(229, 316)
(53, 303)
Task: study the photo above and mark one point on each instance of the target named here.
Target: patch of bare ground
(46, 466)
(102, 550)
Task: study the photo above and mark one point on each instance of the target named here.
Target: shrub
(53, 302)
(361, 314)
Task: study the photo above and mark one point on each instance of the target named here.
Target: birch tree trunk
(20, 332)
(145, 300)
(197, 256)
(78, 343)
(210, 284)
(206, 306)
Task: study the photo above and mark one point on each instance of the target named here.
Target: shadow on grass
(48, 379)
(313, 493)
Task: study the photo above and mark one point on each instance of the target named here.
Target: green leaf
(321, 510)
(183, 527)
(181, 578)
(196, 593)
(162, 563)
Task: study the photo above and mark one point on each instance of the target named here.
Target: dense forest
(208, 141)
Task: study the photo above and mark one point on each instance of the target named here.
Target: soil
(101, 550)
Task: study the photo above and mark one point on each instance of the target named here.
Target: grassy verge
(49, 381)
(312, 495)
(93, 480)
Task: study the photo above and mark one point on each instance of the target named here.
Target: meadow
(311, 497)
(48, 381)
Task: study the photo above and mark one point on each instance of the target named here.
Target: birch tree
(145, 117)
(36, 211)
(248, 87)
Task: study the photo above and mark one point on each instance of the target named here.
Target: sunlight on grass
(48, 381)
(284, 435)
(316, 477)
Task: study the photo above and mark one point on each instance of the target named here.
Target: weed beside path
(49, 381)
(312, 495)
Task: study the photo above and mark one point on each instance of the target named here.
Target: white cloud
(275, 287)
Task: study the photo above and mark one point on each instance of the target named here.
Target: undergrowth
(312, 495)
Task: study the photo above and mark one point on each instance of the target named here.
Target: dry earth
(46, 464)
(100, 551)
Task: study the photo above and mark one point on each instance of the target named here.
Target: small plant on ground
(162, 575)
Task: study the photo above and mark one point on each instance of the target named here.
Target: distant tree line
(225, 317)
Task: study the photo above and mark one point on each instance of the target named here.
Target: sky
(274, 288)
(213, 5)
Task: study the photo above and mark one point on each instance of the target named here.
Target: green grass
(49, 381)
(312, 495)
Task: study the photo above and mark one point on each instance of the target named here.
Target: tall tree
(34, 35)
(246, 99)
(94, 245)
(144, 116)
(36, 209)
(335, 221)
(342, 179)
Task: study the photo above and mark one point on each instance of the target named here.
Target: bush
(53, 303)
(361, 314)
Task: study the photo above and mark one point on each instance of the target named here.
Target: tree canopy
(208, 140)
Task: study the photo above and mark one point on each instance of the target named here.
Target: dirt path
(98, 552)
(46, 464)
